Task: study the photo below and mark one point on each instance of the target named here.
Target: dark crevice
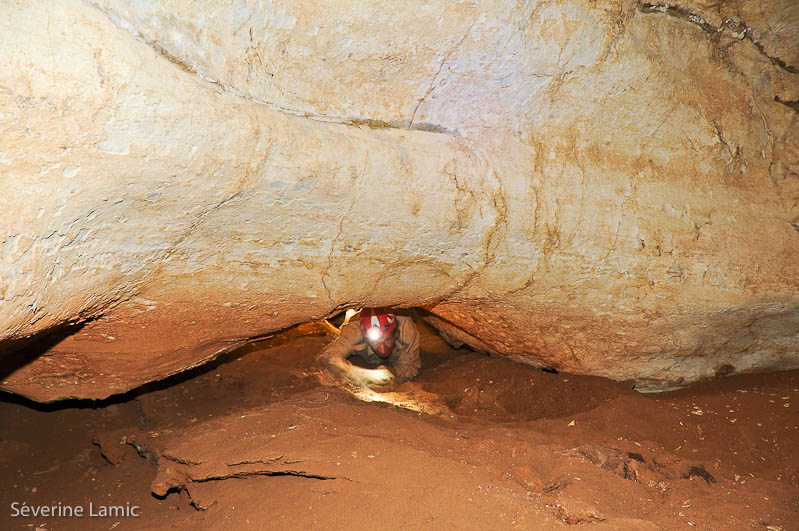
(257, 461)
(16, 353)
(716, 33)
(171, 58)
(776, 61)
(271, 473)
(677, 12)
(169, 491)
(337, 320)
(39, 344)
(143, 451)
(638, 457)
(204, 507)
(181, 460)
(401, 124)
(699, 471)
(792, 104)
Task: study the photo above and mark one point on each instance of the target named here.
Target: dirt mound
(500, 389)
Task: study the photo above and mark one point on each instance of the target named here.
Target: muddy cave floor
(254, 441)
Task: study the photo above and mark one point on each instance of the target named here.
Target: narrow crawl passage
(461, 383)
(254, 441)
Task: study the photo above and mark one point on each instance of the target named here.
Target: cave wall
(608, 188)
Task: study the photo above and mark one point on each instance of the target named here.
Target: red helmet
(376, 322)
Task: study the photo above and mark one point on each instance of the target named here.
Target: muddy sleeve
(408, 363)
(338, 350)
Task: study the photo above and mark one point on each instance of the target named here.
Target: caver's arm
(408, 362)
(334, 358)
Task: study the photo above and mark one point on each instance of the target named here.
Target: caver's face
(384, 345)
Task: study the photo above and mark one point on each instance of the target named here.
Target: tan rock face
(603, 187)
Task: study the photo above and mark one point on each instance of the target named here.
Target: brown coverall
(404, 359)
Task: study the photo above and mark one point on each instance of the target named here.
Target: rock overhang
(565, 186)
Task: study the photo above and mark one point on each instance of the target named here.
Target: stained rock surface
(607, 188)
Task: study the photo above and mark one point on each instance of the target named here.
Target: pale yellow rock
(602, 187)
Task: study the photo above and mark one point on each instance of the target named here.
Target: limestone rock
(608, 188)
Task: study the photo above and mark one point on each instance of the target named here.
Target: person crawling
(384, 344)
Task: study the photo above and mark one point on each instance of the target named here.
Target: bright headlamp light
(373, 334)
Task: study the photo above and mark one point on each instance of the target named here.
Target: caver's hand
(390, 371)
(378, 379)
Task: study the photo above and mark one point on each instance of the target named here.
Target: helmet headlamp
(377, 323)
(373, 334)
